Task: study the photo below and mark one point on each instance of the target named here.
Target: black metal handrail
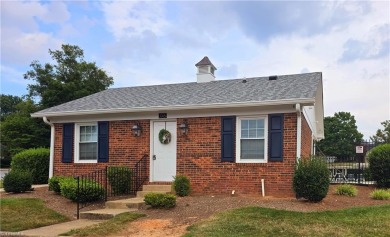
(140, 171)
(111, 181)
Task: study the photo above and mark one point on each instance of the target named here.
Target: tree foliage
(19, 131)
(341, 135)
(70, 78)
(382, 135)
(8, 104)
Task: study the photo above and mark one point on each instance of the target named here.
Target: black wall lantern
(184, 127)
(136, 129)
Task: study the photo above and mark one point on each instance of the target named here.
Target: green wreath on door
(164, 136)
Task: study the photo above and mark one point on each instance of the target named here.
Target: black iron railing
(110, 182)
(351, 170)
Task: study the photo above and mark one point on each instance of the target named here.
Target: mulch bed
(194, 208)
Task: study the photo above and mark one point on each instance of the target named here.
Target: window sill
(251, 161)
(85, 162)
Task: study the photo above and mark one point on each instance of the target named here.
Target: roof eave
(306, 101)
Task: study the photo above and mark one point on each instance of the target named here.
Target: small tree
(311, 179)
(341, 135)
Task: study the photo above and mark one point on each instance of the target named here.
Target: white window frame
(238, 139)
(77, 143)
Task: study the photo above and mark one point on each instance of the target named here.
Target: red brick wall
(124, 148)
(306, 138)
(198, 157)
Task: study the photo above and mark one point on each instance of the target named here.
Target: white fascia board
(306, 101)
(175, 114)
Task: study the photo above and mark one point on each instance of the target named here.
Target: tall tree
(382, 135)
(8, 104)
(70, 78)
(341, 135)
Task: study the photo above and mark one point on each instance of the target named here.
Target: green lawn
(109, 227)
(26, 213)
(256, 221)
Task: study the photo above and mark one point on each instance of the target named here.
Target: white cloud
(22, 48)
(22, 40)
(55, 12)
(132, 18)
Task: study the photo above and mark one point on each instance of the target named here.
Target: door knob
(154, 157)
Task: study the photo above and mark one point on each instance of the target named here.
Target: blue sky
(156, 42)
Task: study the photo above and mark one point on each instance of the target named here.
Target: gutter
(52, 131)
(299, 130)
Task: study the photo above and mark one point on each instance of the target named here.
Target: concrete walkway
(55, 230)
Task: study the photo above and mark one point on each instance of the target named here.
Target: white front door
(163, 163)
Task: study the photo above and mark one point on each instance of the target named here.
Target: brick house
(224, 134)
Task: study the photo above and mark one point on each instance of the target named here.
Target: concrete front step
(126, 203)
(103, 214)
(157, 188)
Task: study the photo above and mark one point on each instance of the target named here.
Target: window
(251, 140)
(86, 138)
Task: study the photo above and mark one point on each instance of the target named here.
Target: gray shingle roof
(259, 89)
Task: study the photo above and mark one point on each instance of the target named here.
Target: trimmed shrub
(90, 191)
(36, 161)
(181, 185)
(346, 190)
(379, 165)
(54, 183)
(380, 194)
(17, 181)
(120, 178)
(311, 179)
(160, 200)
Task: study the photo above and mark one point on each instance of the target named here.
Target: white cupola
(205, 70)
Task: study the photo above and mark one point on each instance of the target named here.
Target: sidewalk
(53, 230)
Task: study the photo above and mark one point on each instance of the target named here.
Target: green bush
(380, 194)
(379, 165)
(17, 181)
(346, 190)
(120, 178)
(311, 179)
(90, 191)
(54, 183)
(36, 161)
(160, 200)
(181, 185)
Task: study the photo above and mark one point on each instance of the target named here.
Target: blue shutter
(275, 137)
(67, 142)
(227, 139)
(103, 137)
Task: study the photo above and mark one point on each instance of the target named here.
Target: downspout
(51, 146)
(299, 130)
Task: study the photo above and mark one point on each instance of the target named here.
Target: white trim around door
(162, 156)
